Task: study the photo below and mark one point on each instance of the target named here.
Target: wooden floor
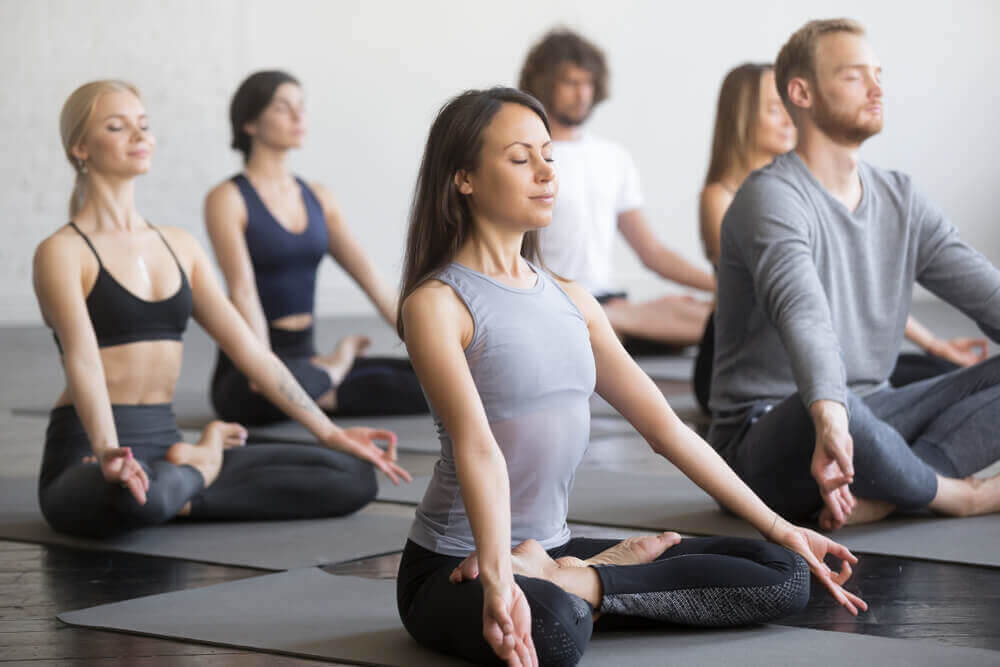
(952, 604)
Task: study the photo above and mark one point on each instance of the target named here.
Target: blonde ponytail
(73, 121)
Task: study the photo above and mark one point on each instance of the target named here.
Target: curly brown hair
(557, 47)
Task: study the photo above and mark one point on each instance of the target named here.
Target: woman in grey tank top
(508, 356)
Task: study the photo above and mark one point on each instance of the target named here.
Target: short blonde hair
(797, 57)
(73, 121)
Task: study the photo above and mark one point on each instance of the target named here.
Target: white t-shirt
(597, 182)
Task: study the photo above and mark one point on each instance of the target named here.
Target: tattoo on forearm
(291, 390)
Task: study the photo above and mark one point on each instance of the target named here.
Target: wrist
(496, 576)
(827, 414)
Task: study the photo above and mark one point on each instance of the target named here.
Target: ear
(250, 128)
(800, 92)
(462, 182)
(79, 152)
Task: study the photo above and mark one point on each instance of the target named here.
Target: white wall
(375, 72)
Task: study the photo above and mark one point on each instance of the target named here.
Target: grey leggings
(903, 439)
(256, 481)
(708, 582)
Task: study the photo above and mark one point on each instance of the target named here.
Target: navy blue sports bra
(120, 317)
(284, 263)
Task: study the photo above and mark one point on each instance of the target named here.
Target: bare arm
(625, 386)
(58, 281)
(249, 354)
(655, 256)
(438, 328)
(961, 351)
(226, 221)
(715, 199)
(352, 257)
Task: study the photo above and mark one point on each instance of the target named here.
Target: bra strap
(171, 250)
(87, 241)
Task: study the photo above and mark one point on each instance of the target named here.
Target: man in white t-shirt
(599, 193)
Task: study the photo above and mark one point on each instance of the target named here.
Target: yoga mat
(417, 433)
(268, 545)
(312, 614)
(673, 502)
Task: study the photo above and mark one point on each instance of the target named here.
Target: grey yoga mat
(416, 433)
(268, 545)
(673, 502)
(312, 614)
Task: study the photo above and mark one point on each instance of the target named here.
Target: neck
(110, 203)
(562, 132)
(494, 251)
(833, 164)
(268, 165)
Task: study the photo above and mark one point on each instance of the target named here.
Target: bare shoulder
(715, 194)
(434, 306)
(224, 203)
(58, 250)
(584, 300)
(432, 299)
(323, 194)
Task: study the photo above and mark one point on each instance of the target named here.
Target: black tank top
(120, 317)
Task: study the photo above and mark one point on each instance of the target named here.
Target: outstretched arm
(960, 351)
(58, 280)
(625, 386)
(226, 221)
(352, 257)
(657, 257)
(223, 323)
(438, 328)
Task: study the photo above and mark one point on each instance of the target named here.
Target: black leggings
(704, 582)
(373, 386)
(256, 482)
(909, 368)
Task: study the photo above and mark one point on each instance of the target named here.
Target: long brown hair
(736, 119)
(440, 217)
(73, 121)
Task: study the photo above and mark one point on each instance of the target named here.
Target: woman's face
(515, 181)
(117, 140)
(282, 123)
(775, 133)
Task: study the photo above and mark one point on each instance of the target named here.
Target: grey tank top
(533, 367)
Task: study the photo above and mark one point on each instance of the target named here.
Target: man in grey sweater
(819, 256)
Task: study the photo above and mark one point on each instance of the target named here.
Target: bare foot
(635, 550)
(865, 511)
(339, 362)
(206, 456)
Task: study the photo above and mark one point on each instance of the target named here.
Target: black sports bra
(120, 317)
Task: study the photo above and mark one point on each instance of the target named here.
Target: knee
(157, 509)
(792, 595)
(347, 485)
(561, 623)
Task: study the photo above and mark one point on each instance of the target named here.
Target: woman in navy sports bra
(118, 292)
(270, 230)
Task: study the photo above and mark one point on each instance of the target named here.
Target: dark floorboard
(956, 605)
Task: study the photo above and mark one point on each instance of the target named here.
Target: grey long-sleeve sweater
(814, 298)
